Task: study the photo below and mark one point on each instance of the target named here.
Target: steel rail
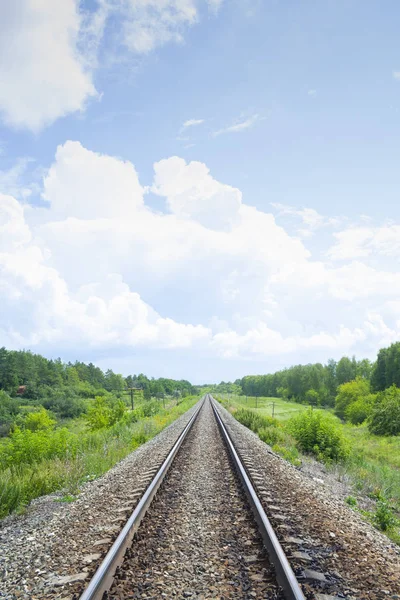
(284, 573)
(104, 576)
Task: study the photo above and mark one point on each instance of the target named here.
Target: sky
(199, 189)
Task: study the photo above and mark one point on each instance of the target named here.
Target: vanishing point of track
(205, 534)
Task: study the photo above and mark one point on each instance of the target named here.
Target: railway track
(204, 535)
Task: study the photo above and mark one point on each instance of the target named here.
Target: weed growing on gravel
(351, 501)
(67, 498)
(289, 453)
(383, 516)
(271, 435)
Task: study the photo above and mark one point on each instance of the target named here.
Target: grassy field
(271, 407)
(372, 465)
(38, 463)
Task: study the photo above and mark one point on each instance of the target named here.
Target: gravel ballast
(51, 550)
(199, 538)
(329, 546)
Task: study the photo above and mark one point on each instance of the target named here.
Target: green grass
(96, 452)
(281, 409)
(372, 467)
(374, 464)
(266, 406)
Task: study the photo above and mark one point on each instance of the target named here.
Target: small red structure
(21, 390)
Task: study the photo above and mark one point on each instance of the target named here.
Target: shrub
(150, 408)
(312, 397)
(271, 435)
(38, 421)
(132, 416)
(357, 412)
(383, 516)
(289, 453)
(253, 420)
(351, 392)
(385, 416)
(104, 412)
(28, 447)
(283, 393)
(319, 434)
(64, 403)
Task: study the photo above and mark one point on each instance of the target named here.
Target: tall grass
(88, 456)
(370, 464)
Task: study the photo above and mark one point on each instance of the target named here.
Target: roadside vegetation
(370, 463)
(345, 414)
(64, 424)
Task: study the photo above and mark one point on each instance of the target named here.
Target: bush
(271, 435)
(383, 516)
(150, 408)
(318, 434)
(351, 392)
(385, 416)
(104, 412)
(38, 421)
(360, 410)
(132, 416)
(312, 397)
(33, 463)
(64, 403)
(283, 393)
(254, 421)
(289, 453)
(29, 447)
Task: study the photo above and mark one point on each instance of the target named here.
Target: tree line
(65, 388)
(35, 372)
(359, 390)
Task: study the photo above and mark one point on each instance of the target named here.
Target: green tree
(364, 368)
(8, 412)
(39, 421)
(357, 412)
(385, 417)
(346, 370)
(114, 382)
(312, 397)
(350, 392)
(104, 412)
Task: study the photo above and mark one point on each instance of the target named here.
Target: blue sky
(199, 189)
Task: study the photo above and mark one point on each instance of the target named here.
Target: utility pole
(131, 390)
(273, 409)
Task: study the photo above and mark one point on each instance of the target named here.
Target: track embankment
(329, 546)
(199, 538)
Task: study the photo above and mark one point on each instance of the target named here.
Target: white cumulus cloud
(311, 219)
(98, 268)
(49, 50)
(193, 194)
(366, 241)
(43, 76)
